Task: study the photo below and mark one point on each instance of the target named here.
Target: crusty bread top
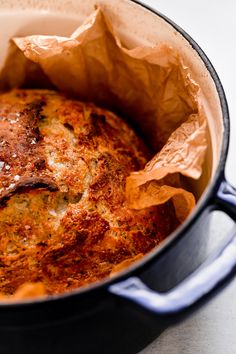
(63, 218)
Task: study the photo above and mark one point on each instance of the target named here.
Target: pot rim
(181, 230)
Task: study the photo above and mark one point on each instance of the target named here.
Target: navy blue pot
(124, 313)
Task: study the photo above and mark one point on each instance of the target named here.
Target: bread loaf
(64, 222)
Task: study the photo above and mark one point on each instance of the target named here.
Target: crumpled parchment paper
(149, 86)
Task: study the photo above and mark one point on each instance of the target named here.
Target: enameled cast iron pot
(101, 318)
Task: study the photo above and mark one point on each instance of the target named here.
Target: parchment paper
(151, 87)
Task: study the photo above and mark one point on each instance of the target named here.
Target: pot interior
(142, 28)
(136, 26)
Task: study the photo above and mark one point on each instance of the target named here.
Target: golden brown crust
(63, 218)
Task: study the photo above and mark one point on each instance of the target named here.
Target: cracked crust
(63, 218)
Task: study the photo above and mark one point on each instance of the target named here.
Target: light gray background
(212, 23)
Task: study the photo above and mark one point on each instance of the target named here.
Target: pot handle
(202, 281)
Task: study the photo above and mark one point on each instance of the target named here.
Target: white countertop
(211, 329)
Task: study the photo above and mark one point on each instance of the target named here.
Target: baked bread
(64, 222)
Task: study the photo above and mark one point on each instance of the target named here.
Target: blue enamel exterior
(202, 281)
